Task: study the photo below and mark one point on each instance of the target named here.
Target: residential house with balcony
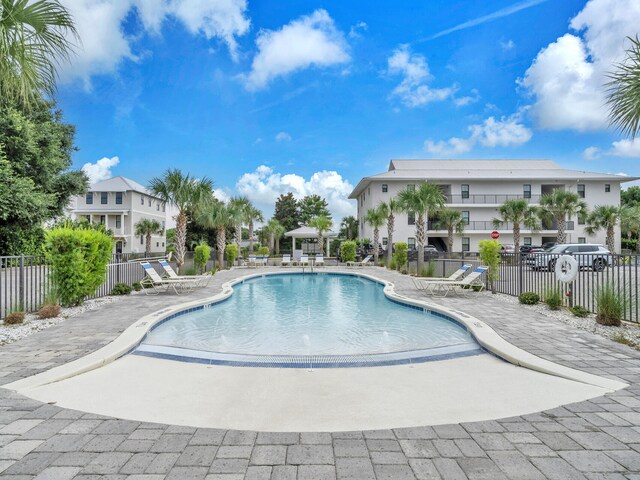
(477, 188)
(119, 203)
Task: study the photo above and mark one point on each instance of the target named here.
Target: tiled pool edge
(482, 333)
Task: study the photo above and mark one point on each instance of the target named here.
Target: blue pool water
(305, 316)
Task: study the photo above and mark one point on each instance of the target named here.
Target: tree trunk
(376, 234)
(272, 242)
(516, 236)
(321, 242)
(420, 239)
(251, 237)
(278, 246)
(562, 226)
(390, 227)
(450, 239)
(238, 236)
(181, 238)
(611, 241)
(221, 243)
(147, 247)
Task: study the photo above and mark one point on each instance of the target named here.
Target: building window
(163, 207)
(118, 198)
(411, 218)
(102, 219)
(527, 241)
(607, 187)
(141, 199)
(104, 198)
(385, 188)
(118, 222)
(466, 244)
(582, 240)
(465, 191)
(163, 244)
(157, 207)
(89, 198)
(369, 191)
(527, 190)
(465, 217)
(141, 239)
(385, 241)
(88, 217)
(411, 243)
(163, 225)
(582, 218)
(581, 190)
(157, 244)
(149, 202)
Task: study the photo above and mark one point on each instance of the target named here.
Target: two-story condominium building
(119, 203)
(477, 188)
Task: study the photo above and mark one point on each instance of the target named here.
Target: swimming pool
(302, 320)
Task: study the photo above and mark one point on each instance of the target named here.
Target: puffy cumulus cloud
(283, 137)
(101, 170)
(467, 100)
(591, 153)
(264, 185)
(505, 132)
(309, 41)
(413, 90)
(626, 148)
(567, 77)
(104, 44)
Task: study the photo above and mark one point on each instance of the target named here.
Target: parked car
(429, 252)
(549, 245)
(508, 248)
(530, 248)
(588, 255)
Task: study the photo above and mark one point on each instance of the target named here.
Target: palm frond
(623, 92)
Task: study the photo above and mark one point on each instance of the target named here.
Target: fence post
(520, 273)
(22, 304)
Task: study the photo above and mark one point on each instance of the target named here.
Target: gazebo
(309, 232)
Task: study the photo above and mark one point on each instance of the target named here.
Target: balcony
(488, 199)
(505, 227)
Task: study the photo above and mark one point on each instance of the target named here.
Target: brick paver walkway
(596, 439)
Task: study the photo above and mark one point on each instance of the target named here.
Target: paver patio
(595, 439)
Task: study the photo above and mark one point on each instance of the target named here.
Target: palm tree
(557, 206)
(452, 221)
(185, 193)
(148, 227)
(35, 37)
(390, 208)
(624, 92)
(251, 214)
(518, 212)
(239, 204)
(217, 215)
(322, 224)
(275, 230)
(630, 223)
(423, 199)
(350, 225)
(376, 217)
(604, 217)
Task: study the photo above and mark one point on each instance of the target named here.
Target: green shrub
(263, 251)
(231, 253)
(610, 305)
(393, 265)
(553, 298)
(121, 289)
(190, 271)
(529, 298)
(579, 311)
(137, 286)
(490, 256)
(78, 258)
(429, 270)
(201, 256)
(348, 251)
(400, 255)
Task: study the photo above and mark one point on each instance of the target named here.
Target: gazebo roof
(309, 232)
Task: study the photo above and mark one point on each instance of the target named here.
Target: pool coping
(482, 333)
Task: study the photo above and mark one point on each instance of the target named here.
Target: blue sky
(271, 96)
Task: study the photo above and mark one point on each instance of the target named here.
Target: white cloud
(505, 132)
(508, 45)
(104, 44)
(264, 185)
(311, 40)
(413, 91)
(283, 137)
(354, 31)
(222, 194)
(567, 77)
(101, 170)
(468, 100)
(591, 153)
(625, 148)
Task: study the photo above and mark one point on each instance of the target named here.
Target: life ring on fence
(567, 268)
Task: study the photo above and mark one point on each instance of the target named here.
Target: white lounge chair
(469, 284)
(363, 263)
(203, 280)
(252, 261)
(318, 261)
(153, 283)
(286, 261)
(262, 261)
(420, 282)
(304, 261)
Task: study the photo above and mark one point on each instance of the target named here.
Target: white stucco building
(120, 203)
(477, 188)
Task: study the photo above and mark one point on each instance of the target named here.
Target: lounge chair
(286, 261)
(153, 283)
(263, 261)
(252, 261)
(469, 284)
(318, 261)
(304, 261)
(420, 282)
(203, 280)
(363, 263)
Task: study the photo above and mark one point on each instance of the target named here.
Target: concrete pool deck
(598, 438)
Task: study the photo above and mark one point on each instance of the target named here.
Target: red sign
(495, 235)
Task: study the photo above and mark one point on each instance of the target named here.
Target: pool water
(309, 315)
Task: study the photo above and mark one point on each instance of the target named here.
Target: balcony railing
(489, 198)
(505, 227)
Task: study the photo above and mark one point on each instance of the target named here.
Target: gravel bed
(31, 324)
(629, 331)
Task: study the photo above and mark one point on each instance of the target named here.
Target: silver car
(588, 255)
